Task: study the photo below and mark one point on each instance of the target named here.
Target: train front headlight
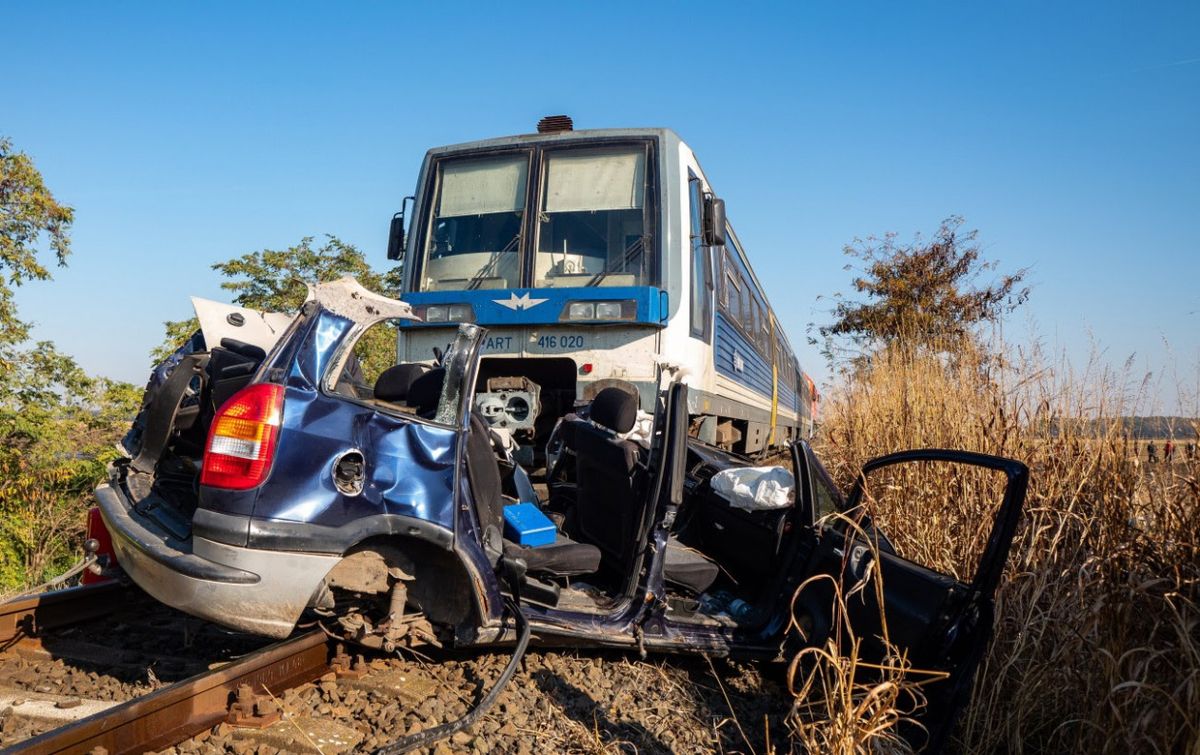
(608, 310)
(581, 310)
(446, 313)
(462, 313)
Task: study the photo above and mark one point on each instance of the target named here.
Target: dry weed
(1097, 641)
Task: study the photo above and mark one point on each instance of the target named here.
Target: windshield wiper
(490, 266)
(630, 252)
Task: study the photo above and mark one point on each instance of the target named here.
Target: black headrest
(567, 430)
(394, 383)
(426, 390)
(615, 409)
(241, 348)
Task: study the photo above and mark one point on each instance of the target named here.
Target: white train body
(617, 276)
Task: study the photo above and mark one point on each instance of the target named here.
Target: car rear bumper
(247, 589)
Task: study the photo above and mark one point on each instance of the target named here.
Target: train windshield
(591, 228)
(593, 208)
(474, 240)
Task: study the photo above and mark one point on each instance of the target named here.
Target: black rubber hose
(429, 736)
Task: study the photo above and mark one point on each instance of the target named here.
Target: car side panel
(409, 467)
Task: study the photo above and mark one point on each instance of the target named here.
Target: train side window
(731, 282)
(764, 328)
(747, 300)
(702, 274)
(756, 334)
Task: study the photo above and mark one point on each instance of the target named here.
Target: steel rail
(28, 616)
(175, 713)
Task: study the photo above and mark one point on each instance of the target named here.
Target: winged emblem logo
(515, 302)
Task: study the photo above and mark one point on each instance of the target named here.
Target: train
(595, 258)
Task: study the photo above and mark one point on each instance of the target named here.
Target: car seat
(611, 493)
(562, 558)
(395, 383)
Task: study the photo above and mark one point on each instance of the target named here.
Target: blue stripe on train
(787, 398)
(542, 306)
(755, 372)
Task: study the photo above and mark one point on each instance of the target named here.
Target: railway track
(236, 691)
(182, 710)
(24, 619)
(237, 694)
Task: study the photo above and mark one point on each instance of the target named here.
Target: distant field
(1181, 454)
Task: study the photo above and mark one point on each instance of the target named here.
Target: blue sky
(1068, 134)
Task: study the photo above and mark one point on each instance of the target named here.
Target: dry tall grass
(844, 703)
(1097, 641)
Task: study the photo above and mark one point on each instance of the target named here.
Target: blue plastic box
(525, 524)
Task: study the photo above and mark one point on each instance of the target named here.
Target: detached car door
(942, 623)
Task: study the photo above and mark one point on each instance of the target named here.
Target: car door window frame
(465, 346)
(991, 561)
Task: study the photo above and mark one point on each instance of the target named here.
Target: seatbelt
(525, 491)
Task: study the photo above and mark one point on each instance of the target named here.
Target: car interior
(597, 492)
(754, 548)
(598, 516)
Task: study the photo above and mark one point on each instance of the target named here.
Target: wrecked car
(272, 480)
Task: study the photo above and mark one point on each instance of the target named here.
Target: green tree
(57, 423)
(177, 331)
(926, 293)
(58, 427)
(274, 280)
(30, 216)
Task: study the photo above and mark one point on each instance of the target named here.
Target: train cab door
(702, 310)
(941, 623)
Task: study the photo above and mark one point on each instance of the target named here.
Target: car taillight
(241, 441)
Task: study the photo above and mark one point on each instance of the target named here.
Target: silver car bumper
(258, 591)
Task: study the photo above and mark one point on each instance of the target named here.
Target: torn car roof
(347, 297)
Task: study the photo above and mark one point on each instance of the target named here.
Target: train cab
(595, 259)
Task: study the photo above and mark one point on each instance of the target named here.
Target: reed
(1097, 634)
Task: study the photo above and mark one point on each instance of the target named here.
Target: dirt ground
(560, 701)
(569, 702)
